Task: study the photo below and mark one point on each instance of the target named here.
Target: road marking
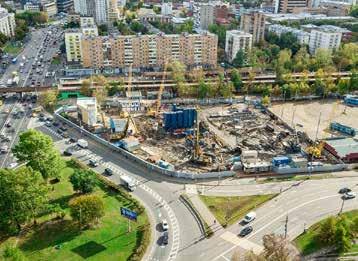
(242, 242)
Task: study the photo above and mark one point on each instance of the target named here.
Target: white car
(349, 195)
(249, 217)
(165, 225)
(13, 165)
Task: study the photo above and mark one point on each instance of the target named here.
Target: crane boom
(161, 89)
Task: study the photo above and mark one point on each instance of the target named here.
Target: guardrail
(141, 162)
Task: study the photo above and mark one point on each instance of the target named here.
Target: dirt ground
(307, 114)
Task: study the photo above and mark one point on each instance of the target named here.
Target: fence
(324, 168)
(141, 162)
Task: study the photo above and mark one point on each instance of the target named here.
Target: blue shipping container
(280, 160)
(180, 118)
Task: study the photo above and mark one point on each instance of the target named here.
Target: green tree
(323, 59)
(343, 86)
(265, 101)
(22, 197)
(178, 75)
(86, 88)
(240, 59)
(12, 253)
(346, 58)
(83, 181)
(343, 242)
(301, 60)
(38, 152)
(283, 64)
(220, 31)
(87, 209)
(103, 29)
(327, 231)
(48, 99)
(203, 90)
(354, 11)
(236, 79)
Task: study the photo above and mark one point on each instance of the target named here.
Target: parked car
(349, 195)
(165, 225)
(245, 231)
(249, 217)
(108, 172)
(67, 152)
(165, 238)
(344, 190)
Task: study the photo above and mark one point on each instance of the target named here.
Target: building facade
(142, 51)
(64, 6)
(73, 46)
(167, 8)
(207, 16)
(254, 24)
(50, 8)
(237, 40)
(324, 38)
(302, 36)
(287, 6)
(7, 22)
(31, 7)
(80, 7)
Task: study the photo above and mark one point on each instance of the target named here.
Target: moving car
(245, 231)
(344, 190)
(93, 163)
(67, 152)
(165, 238)
(4, 149)
(82, 143)
(165, 225)
(249, 217)
(349, 195)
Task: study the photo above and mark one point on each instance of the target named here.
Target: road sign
(128, 213)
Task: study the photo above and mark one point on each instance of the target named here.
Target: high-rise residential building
(113, 11)
(101, 11)
(254, 23)
(64, 6)
(207, 16)
(287, 6)
(302, 36)
(325, 38)
(80, 7)
(235, 41)
(89, 31)
(167, 8)
(7, 22)
(149, 51)
(73, 46)
(87, 21)
(31, 7)
(49, 7)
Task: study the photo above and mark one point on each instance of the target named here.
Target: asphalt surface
(36, 59)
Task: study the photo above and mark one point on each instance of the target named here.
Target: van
(82, 143)
(249, 217)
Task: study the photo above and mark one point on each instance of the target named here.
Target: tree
(86, 209)
(322, 58)
(327, 231)
(240, 59)
(178, 75)
(83, 181)
(354, 11)
(265, 100)
(38, 152)
(275, 248)
(220, 31)
(12, 253)
(23, 196)
(346, 58)
(236, 79)
(283, 63)
(48, 99)
(301, 60)
(86, 88)
(103, 29)
(343, 242)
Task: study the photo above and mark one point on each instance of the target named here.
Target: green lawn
(229, 210)
(63, 240)
(10, 48)
(56, 61)
(309, 243)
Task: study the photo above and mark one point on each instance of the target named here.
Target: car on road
(48, 124)
(63, 128)
(108, 172)
(13, 165)
(8, 125)
(245, 231)
(68, 152)
(65, 135)
(165, 225)
(4, 149)
(93, 163)
(249, 217)
(344, 190)
(55, 123)
(165, 238)
(59, 131)
(348, 195)
(72, 140)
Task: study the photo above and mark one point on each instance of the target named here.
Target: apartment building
(167, 8)
(207, 17)
(64, 6)
(80, 7)
(302, 36)
(112, 11)
(89, 30)
(73, 46)
(50, 8)
(237, 40)
(31, 7)
(87, 21)
(103, 11)
(141, 51)
(325, 38)
(7, 22)
(253, 22)
(287, 6)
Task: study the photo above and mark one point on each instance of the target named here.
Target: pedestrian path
(203, 210)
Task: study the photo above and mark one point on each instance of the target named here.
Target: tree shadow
(52, 233)
(88, 249)
(62, 201)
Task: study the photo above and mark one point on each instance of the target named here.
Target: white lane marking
(242, 242)
(224, 253)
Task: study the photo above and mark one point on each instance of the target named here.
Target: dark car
(108, 172)
(8, 125)
(93, 163)
(67, 152)
(63, 128)
(245, 231)
(55, 123)
(59, 131)
(165, 238)
(72, 140)
(344, 190)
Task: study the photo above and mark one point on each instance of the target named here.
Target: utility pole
(286, 223)
(342, 206)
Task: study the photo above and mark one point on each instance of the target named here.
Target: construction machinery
(155, 110)
(198, 156)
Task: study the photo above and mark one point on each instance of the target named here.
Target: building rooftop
(239, 33)
(344, 146)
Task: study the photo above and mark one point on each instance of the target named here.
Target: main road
(302, 203)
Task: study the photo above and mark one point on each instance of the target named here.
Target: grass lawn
(10, 48)
(308, 242)
(229, 210)
(56, 61)
(63, 240)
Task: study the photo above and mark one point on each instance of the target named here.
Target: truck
(82, 143)
(128, 182)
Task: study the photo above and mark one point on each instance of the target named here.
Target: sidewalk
(203, 210)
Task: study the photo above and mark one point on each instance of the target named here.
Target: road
(34, 61)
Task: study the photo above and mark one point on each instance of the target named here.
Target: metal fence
(324, 168)
(139, 161)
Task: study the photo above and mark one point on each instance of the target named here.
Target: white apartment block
(7, 22)
(302, 36)
(50, 8)
(207, 16)
(73, 46)
(101, 11)
(324, 38)
(112, 11)
(167, 8)
(87, 21)
(80, 7)
(30, 7)
(89, 30)
(237, 40)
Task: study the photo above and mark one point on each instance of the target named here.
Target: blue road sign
(128, 213)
